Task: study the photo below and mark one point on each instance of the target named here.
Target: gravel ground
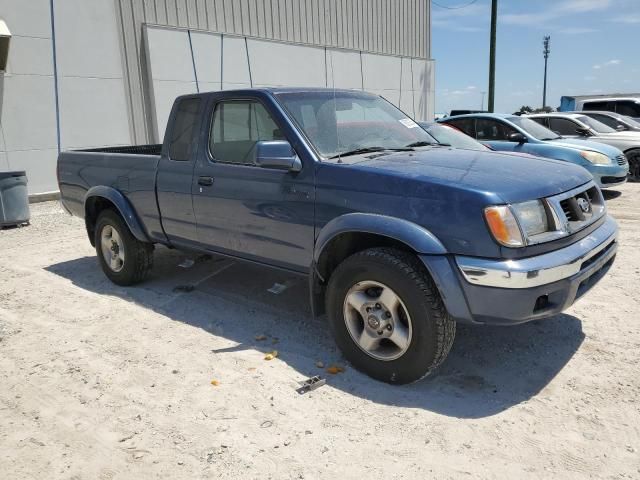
(103, 382)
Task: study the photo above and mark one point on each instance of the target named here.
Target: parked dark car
(451, 136)
(399, 237)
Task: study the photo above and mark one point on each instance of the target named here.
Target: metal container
(14, 199)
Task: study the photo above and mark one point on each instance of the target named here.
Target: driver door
(245, 210)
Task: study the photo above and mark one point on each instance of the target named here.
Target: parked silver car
(583, 126)
(618, 122)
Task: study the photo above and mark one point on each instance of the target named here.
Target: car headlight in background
(595, 157)
(518, 225)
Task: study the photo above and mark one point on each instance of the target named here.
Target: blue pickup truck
(400, 237)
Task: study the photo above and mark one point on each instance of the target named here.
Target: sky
(595, 48)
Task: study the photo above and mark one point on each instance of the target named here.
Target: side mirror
(584, 132)
(277, 155)
(620, 128)
(517, 137)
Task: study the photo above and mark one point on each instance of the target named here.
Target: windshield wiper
(422, 143)
(358, 151)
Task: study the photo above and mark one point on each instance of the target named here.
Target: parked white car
(582, 126)
(620, 123)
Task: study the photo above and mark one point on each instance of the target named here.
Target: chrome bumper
(540, 270)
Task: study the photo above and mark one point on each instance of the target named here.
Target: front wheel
(123, 258)
(633, 157)
(387, 316)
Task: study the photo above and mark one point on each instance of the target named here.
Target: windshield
(534, 128)
(630, 121)
(596, 125)
(340, 122)
(454, 137)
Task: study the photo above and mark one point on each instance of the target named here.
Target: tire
(132, 259)
(633, 157)
(419, 317)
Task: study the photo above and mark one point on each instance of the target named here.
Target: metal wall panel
(392, 27)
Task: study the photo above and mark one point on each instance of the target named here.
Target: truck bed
(129, 169)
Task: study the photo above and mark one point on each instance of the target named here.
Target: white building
(89, 73)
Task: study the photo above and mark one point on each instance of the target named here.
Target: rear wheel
(387, 315)
(633, 157)
(123, 258)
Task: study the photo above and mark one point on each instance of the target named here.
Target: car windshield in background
(631, 122)
(596, 125)
(342, 123)
(454, 137)
(534, 128)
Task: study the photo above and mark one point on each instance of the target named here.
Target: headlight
(595, 157)
(532, 217)
(516, 225)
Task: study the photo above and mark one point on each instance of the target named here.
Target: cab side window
(562, 126)
(607, 120)
(628, 108)
(493, 130)
(465, 125)
(236, 128)
(186, 117)
(606, 106)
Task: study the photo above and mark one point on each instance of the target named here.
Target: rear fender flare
(122, 205)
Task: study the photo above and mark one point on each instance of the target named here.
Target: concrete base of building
(44, 197)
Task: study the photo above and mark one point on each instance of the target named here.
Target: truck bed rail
(154, 149)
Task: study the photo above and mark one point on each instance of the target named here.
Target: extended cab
(400, 237)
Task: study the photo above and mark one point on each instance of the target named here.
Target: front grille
(577, 209)
(621, 159)
(597, 256)
(572, 206)
(607, 180)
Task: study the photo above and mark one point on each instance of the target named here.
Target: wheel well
(632, 150)
(346, 244)
(92, 209)
(338, 249)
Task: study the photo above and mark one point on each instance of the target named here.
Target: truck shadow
(489, 369)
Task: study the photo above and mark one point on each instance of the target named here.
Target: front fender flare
(123, 206)
(416, 237)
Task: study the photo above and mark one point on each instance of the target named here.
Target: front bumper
(517, 291)
(607, 176)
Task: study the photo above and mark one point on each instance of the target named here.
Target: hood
(580, 144)
(497, 176)
(627, 134)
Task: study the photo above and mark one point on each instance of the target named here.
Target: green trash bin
(14, 199)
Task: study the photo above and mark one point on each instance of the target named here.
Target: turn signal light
(503, 226)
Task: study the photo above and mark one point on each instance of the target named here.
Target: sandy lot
(103, 382)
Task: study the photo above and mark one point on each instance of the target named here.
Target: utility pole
(546, 53)
(492, 55)
(482, 101)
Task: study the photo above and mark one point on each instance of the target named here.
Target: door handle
(205, 181)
